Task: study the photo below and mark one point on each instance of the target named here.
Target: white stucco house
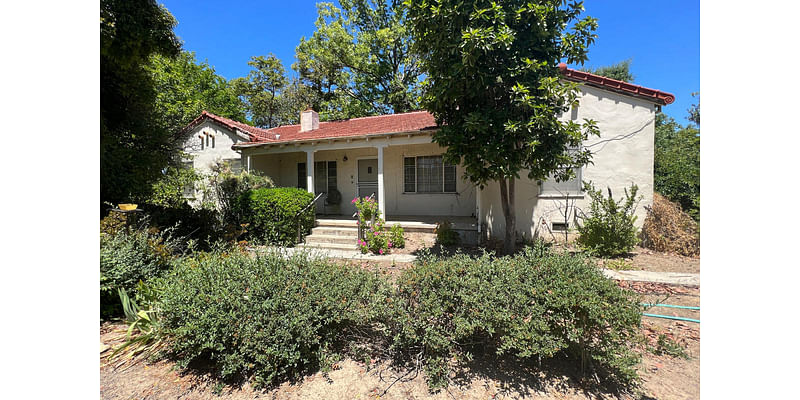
(393, 157)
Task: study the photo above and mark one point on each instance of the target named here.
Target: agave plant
(144, 335)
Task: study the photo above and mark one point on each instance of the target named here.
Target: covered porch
(404, 172)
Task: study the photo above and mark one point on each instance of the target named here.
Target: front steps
(332, 235)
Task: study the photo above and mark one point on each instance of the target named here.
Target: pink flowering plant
(375, 239)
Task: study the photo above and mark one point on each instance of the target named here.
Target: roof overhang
(344, 141)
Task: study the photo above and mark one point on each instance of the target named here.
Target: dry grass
(668, 229)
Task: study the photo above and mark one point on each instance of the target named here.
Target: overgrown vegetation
(266, 317)
(272, 318)
(274, 215)
(128, 256)
(666, 228)
(677, 163)
(537, 304)
(609, 229)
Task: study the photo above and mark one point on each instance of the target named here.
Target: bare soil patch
(643, 259)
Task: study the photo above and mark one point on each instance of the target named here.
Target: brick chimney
(309, 120)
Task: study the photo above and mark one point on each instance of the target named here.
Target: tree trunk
(509, 211)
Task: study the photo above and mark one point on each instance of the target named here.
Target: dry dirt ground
(649, 260)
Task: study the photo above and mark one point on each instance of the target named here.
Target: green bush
(201, 225)
(128, 257)
(609, 229)
(526, 306)
(396, 236)
(226, 187)
(269, 317)
(271, 214)
(445, 235)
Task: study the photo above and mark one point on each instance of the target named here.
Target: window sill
(562, 196)
(430, 193)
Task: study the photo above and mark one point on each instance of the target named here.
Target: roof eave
(252, 145)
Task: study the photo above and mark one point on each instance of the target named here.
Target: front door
(368, 178)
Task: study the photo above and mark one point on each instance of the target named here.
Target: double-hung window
(428, 174)
(573, 186)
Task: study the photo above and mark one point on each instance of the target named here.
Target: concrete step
(338, 239)
(408, 226)
(329, 246)
(340, 223)
(337, 231)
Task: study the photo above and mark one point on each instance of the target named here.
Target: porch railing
(299, 213)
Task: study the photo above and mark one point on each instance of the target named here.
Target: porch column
(310, 171)
(381, 192)
(248, 163)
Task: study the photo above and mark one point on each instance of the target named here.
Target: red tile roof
(656, 96)
(405, 122)
(255, 134)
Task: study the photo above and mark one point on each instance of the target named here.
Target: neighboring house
(393, 157)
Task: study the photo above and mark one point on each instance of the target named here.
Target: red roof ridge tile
(623, 87)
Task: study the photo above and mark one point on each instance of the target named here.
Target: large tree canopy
(358, 62)
(493, 84)
(271, 99)
(620, 71)
(133, 146)
(184, 88)
(677, 163)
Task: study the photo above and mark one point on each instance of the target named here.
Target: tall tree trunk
(509, 211)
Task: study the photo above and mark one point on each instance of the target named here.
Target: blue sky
(661, 38)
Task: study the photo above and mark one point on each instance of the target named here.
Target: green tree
(134, 147)
(261, 91)
(620, 71)
(677, 163)
(694, 110)
(184, 88)
(494, 86)
(359, 60)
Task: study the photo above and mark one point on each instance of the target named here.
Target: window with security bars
(428, 174)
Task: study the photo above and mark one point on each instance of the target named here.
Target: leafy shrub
(169, 190)
(269, 317)
(371, 227)
(667, 228)
(376, 239)
(445, 235)
(676, 164)
(226, 187)
(609, 228)
(128, 257)
(201, 225)
(524, 306)
(396, 238)
(272, 214)
(668, 346)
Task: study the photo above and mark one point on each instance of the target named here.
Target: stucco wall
(282, 168)
(203, 157)
(623, 154)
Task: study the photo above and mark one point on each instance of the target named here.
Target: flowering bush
(376, 240)
(370, 226)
